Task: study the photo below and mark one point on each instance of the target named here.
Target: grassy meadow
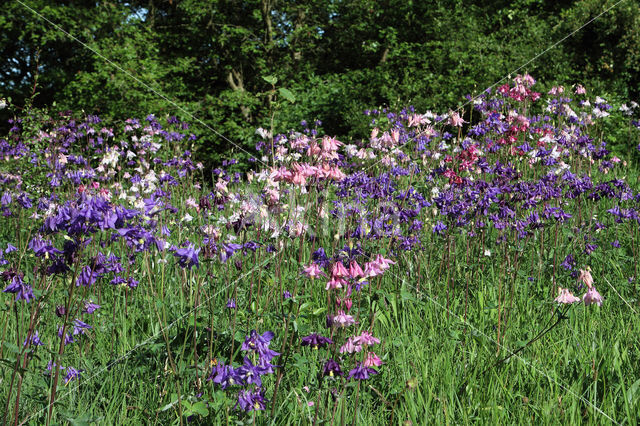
(477, 266)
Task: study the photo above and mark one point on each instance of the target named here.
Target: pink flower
(556, 90)
(330, 144)
(565, 296)
(335, 283)
(372, 360)
(384, 262)
(355, 271)
(313, 271)
(592, 296)
(221, 186)
(343, 320)
(348, 303)
(339, 271)
(455, 119)
(586, 278)
(372, 269)
(366, 338)
(351, 346)
(580, 90)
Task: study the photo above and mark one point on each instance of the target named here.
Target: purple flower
(34, 340)
(20, 288)
(568, 262)
(6, 199)
(72, 374)
(361, 372)
(228, 250)
(331, 368)
(439, 228)
(188, 256)
(90, 307)
(249, 373)
(225, 376)
(231, 304)
(79, 327)
(87, 277)
(249, 401)
(316, 341)
(257, 342)
(68, 338)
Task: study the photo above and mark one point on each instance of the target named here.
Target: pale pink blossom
(455, 119)
(585, 277)
(372, 360)
(367, 339)
(338, 270)
(335, 283)
(355, 271)
(330, 144)
(313, 271)
(384, 262)
(343, 320)
(351, 346)
(592, 296)
(565, 296)
(372, 269)
(221, 186)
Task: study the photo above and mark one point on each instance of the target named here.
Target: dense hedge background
(333, 58)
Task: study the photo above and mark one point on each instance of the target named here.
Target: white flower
(263, 133)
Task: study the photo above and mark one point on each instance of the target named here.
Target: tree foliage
(336, 58)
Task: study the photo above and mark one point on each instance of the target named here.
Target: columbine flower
(383, 262)
(34, 340)
(331, 368)
(361, 372)
(249, 401)
(585, 277)
(72, 374)
(372, 360)
(439, 228)
(260, 344)
(592, 296)
(565, 296)
(90, 307)
(372, 269)
(335, 283)
(355, 271)
(351, 346)
(367, 339)
(225, 376)
(313, 271)
(249, 373)
(455, 119)
(187, 257)
(316, 341)
(343, 320)
(339, 271)
(20, 289)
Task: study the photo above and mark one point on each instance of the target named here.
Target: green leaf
(270, 79)
(200, 408)
(11, 347)
(287, 94)
(174, 401)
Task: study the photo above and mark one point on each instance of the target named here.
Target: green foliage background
(337, 57)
